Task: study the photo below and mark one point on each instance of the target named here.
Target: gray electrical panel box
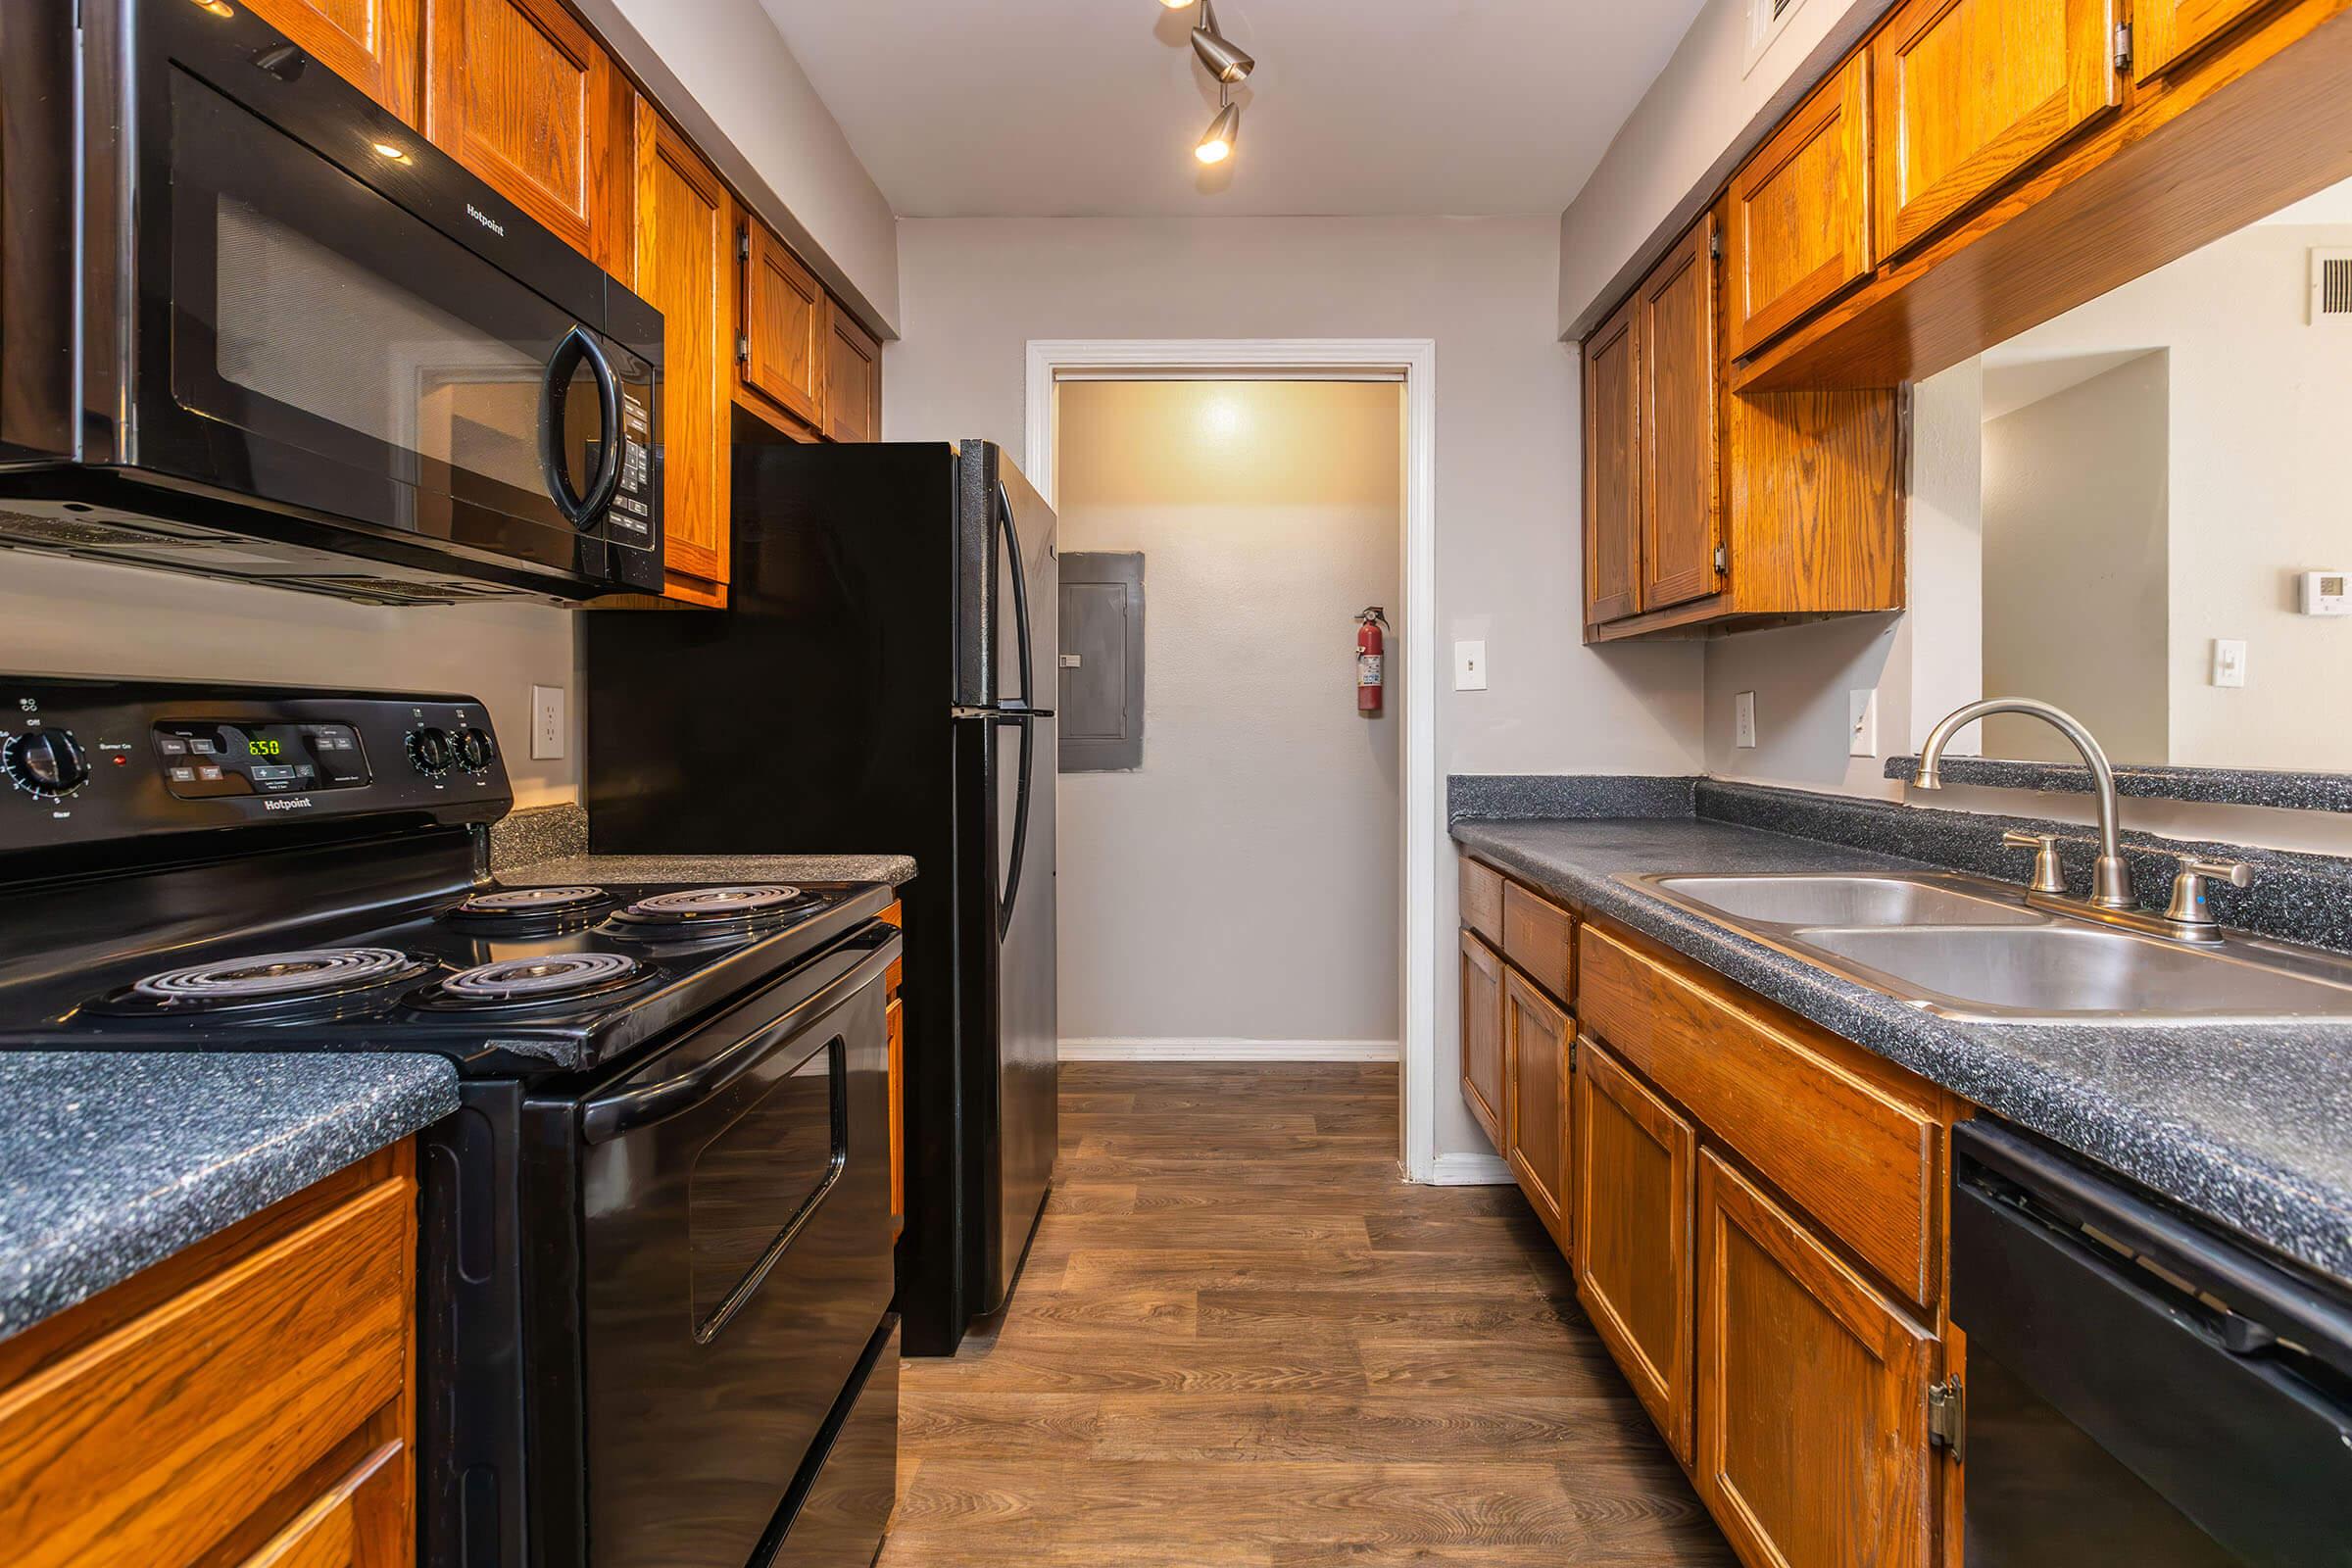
(1101, 700)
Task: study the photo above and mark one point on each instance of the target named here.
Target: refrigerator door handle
(1020, 597)
(1020, 820)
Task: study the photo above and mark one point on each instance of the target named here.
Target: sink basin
(1845, 900)
(1969, 948)
(2058, 970)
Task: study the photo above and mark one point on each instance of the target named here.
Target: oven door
(310, 335)
(736, 1255)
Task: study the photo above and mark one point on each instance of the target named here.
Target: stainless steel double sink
(1968, 948)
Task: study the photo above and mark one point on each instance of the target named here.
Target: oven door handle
(579, 348)
(641, 1106)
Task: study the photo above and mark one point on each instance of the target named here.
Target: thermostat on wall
(2327, 593)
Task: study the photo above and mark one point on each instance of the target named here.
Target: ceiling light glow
(1216, 145)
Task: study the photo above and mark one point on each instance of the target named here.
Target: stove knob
(430, 752)
(476, 754)
(45, 763)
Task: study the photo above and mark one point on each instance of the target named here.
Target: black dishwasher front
(2140, 1389)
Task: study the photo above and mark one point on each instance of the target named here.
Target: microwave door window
(311, 314)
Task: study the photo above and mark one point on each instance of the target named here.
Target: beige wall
(1268, 514)
(2076, 584)
(1507, 471)
(70, 617)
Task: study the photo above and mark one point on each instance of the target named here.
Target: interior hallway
(1239, 1339)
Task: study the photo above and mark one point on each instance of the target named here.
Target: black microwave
(254, 327)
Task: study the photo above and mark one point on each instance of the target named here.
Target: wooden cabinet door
(1812, 1394)
(787, 337)
(518, 92)
(1967, 92)
(376, 45)
(2164, 33)
(685, 244)
(1796, 230)
(1481, 1037)
(1633, 1160)
(852, 379)
(1612, 470)
(1534, 1038)
(1681, 513)
(361, 1521)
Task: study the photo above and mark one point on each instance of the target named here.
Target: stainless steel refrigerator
(877, 685)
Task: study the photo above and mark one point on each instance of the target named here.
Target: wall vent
(1765, 21)
(2330, 286)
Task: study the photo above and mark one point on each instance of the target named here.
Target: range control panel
(96, 762)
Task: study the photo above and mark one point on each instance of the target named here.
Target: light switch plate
(551, 727)
(1470, 666)
(2229, 662)
(1743, 720)
(1862, 723)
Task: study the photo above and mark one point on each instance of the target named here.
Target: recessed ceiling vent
(2330, 287)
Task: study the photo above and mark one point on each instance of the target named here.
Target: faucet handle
(2189, 908)
(2048, 876)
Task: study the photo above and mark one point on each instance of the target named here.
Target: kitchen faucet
(2187, 920)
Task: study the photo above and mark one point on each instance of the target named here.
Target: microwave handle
(576, 349)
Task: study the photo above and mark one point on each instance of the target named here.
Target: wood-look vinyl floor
(1241, 1342)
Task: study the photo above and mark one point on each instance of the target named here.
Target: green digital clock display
(263, 745)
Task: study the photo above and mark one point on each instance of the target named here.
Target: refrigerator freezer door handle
(1020, 596)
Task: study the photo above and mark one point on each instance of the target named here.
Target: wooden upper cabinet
(1797, 214)
(852, 379)
(1535, 1036)
(685, 265)
(1633, 1185)
(1813, 1439)
(376, 45)
(787, 337)
(1612, 470)
(2165, 32)
(1481, 1037)
(1681, 513)
(519, 93)
(1967, 92)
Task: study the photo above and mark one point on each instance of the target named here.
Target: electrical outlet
(550, 728)
(1470, 666)
(1862, 723)
(2229, 662)
(1743, 720)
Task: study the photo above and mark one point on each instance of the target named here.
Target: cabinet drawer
(354, 1524)
(153, 1443)
(1539, 937)
(1482, 901)
(1860, 1149)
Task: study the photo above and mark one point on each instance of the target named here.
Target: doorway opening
(1259, 885)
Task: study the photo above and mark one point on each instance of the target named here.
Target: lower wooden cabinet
(1482, 1036)
(1633, 1196)
(1535, 1037)
(1813, 1442)
(248, 1401)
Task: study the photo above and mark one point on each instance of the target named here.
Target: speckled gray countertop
(111, 1161)
(895, 869)
(2249, 1126)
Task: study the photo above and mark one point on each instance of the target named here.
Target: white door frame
(1414, 363)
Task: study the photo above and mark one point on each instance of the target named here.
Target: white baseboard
(1155, 1049)
(1470, 1170)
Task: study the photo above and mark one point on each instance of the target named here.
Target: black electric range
(657, 1237)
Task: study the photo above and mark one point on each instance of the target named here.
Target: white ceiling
(1034, 108)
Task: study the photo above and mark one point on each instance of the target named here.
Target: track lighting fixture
(1217, 52)
(1217, 145)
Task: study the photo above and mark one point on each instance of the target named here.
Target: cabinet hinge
(742, 243)
(2123, 46)
(1947, 1418)
(1723, 560)
(1715, 246)
(743, 349)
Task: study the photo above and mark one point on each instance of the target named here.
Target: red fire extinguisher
(1370, 660)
